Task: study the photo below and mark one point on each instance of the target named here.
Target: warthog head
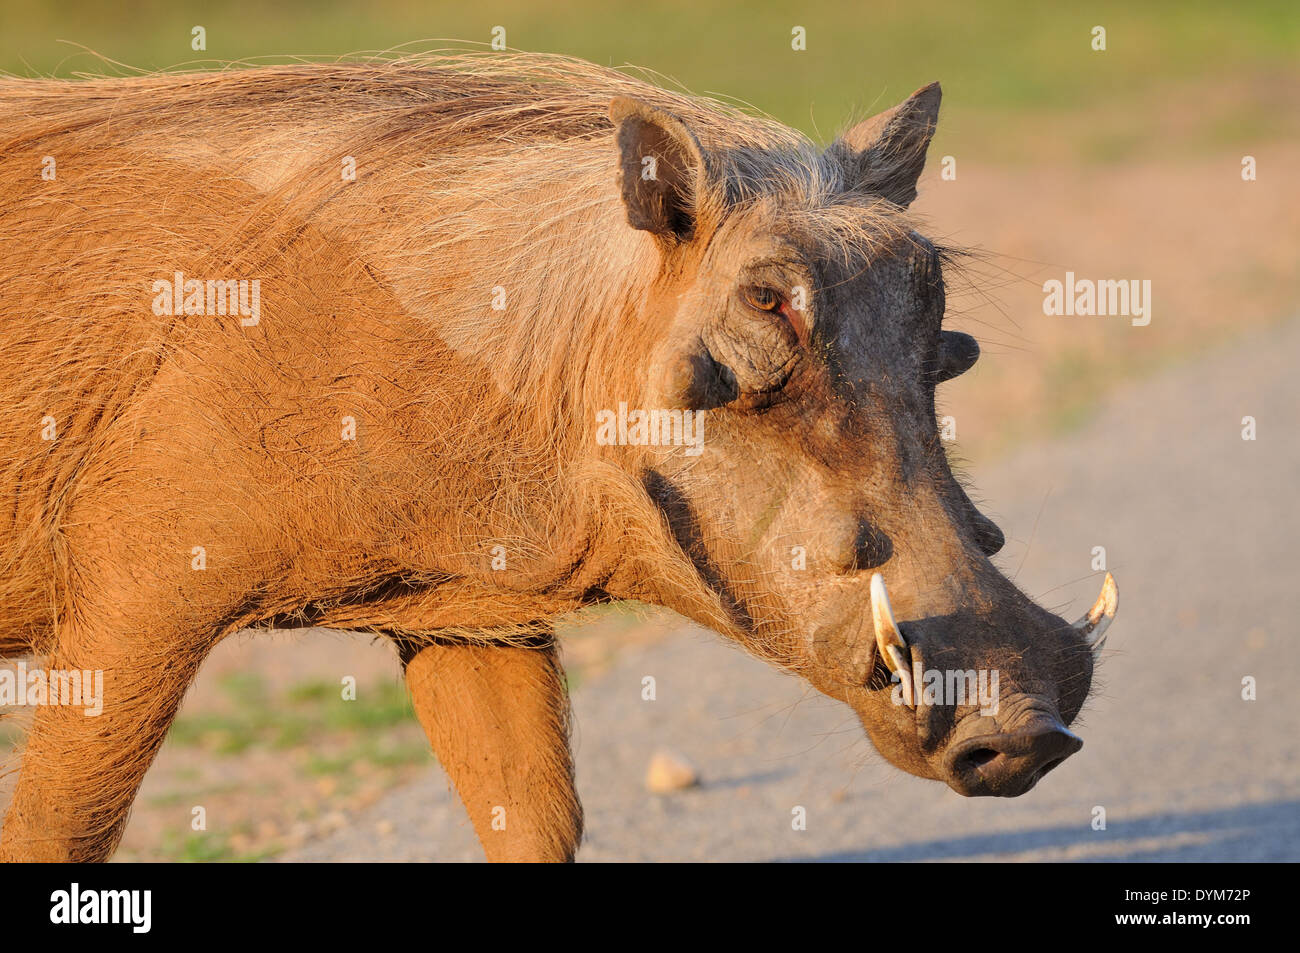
(802, 312)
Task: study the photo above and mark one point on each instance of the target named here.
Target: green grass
(1075, 377)
(176, 798)
(10, 733)
(1001, 55)
(258, 717)
(204, 847)
(381, 753)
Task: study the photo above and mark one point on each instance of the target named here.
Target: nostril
(979, 757)
(1010, 763)
(974, 766)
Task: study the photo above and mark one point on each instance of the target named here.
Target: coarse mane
(480, 178)
(454, 152)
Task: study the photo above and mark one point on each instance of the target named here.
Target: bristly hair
(474, 170)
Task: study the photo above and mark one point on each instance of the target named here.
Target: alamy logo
(651, 428)
(75, 688)
(215, 296)
(133, 907)
(1083, 296)
(951, 687)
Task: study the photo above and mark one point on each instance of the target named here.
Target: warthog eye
(761, 298)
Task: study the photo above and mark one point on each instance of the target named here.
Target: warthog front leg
(498, 719)
(80, 773)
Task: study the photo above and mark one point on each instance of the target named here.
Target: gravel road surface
(1200, 529)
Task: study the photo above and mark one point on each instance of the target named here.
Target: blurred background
(1117, 163)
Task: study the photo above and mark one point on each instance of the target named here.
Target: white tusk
(889, 640)
(1093, 626)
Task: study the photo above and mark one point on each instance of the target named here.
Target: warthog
(376, 346)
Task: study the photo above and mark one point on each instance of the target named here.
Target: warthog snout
(1007, 763)
(982, 703)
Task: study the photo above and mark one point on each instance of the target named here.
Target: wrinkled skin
(779, 290)
(822, 435)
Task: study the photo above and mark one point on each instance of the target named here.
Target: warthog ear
(661, 169)
(886, 153)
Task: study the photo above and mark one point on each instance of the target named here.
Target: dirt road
(1200, 528)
